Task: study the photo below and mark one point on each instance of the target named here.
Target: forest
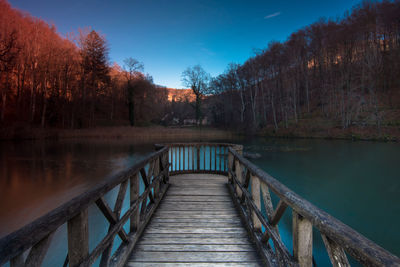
(48, 80)
(342, 73)
(333, 74)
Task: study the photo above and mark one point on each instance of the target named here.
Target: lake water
(357, 182)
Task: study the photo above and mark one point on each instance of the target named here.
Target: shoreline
(388, 134)
(154, 133)
(140, 134)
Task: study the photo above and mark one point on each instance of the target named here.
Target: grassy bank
(326, 131)
(140, 134)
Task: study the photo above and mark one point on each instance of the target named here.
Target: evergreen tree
(95, 77)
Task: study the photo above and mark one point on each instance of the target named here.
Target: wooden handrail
(37, 234)
(336, 235)
(199, 157)
(249, 186)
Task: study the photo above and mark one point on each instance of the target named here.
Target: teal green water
(357, 182)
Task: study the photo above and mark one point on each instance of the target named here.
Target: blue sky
(170, 35)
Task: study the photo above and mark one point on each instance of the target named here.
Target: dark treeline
(345, 71)
(50, 80)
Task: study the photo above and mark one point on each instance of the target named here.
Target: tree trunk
(198, 109)
(3, 105)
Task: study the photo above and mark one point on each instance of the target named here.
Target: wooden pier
(196, 223)
(191, 204)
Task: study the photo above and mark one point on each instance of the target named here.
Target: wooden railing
(249, 185)
(199, 157)
(28, 246)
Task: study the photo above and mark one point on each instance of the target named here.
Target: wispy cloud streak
(272, 15)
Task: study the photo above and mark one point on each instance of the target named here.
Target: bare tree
(197, 79)
(133, 70)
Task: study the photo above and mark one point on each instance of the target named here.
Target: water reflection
(38, 177)
(357, 182)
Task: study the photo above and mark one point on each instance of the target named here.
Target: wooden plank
(199, 188)
(278, 213)
(156, 173)
(199, 205)
(255, 194)
(278, 244)
(176, 190)
(105, 257)
(269, 209)
(18, 261)
(193, 213)
(192, 230)
(198, 208)
(185, 198)
(134, 195)
(184, 256)
(145, 178)
(78, 238)
(204, 157)
(184, 158)
(225, 205)
(111, 217)
(195, 224)
(198, 236)
(336, 253)
(176, 159)
(38, 252)
(196, 220)
(194, 247)
(198, 157)
(238, 172)
(120, 198)
(198, 264)
(121, 255)
(195, 240)
(196, 176)
(193, 183)
(302, 240)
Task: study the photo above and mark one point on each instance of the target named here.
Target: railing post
(302, 240)
(238, 172)
(78, 238)
(230, 166)
(192, 150)
(255, 194)
(134, 195)
(198, 157)
(238, 149)
(17, 261)
(165, 163)
(156, 173)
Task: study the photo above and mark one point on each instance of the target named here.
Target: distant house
(189, 122)
(205, 121)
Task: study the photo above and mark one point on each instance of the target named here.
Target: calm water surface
(357, 182)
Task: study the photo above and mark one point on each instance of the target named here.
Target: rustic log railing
(28, 246)
(249, 186)
(199, 157)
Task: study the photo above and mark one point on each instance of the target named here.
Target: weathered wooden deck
(196, 224)
(184, 204)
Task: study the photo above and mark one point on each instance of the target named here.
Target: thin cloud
(207, 51)
(272, 15)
